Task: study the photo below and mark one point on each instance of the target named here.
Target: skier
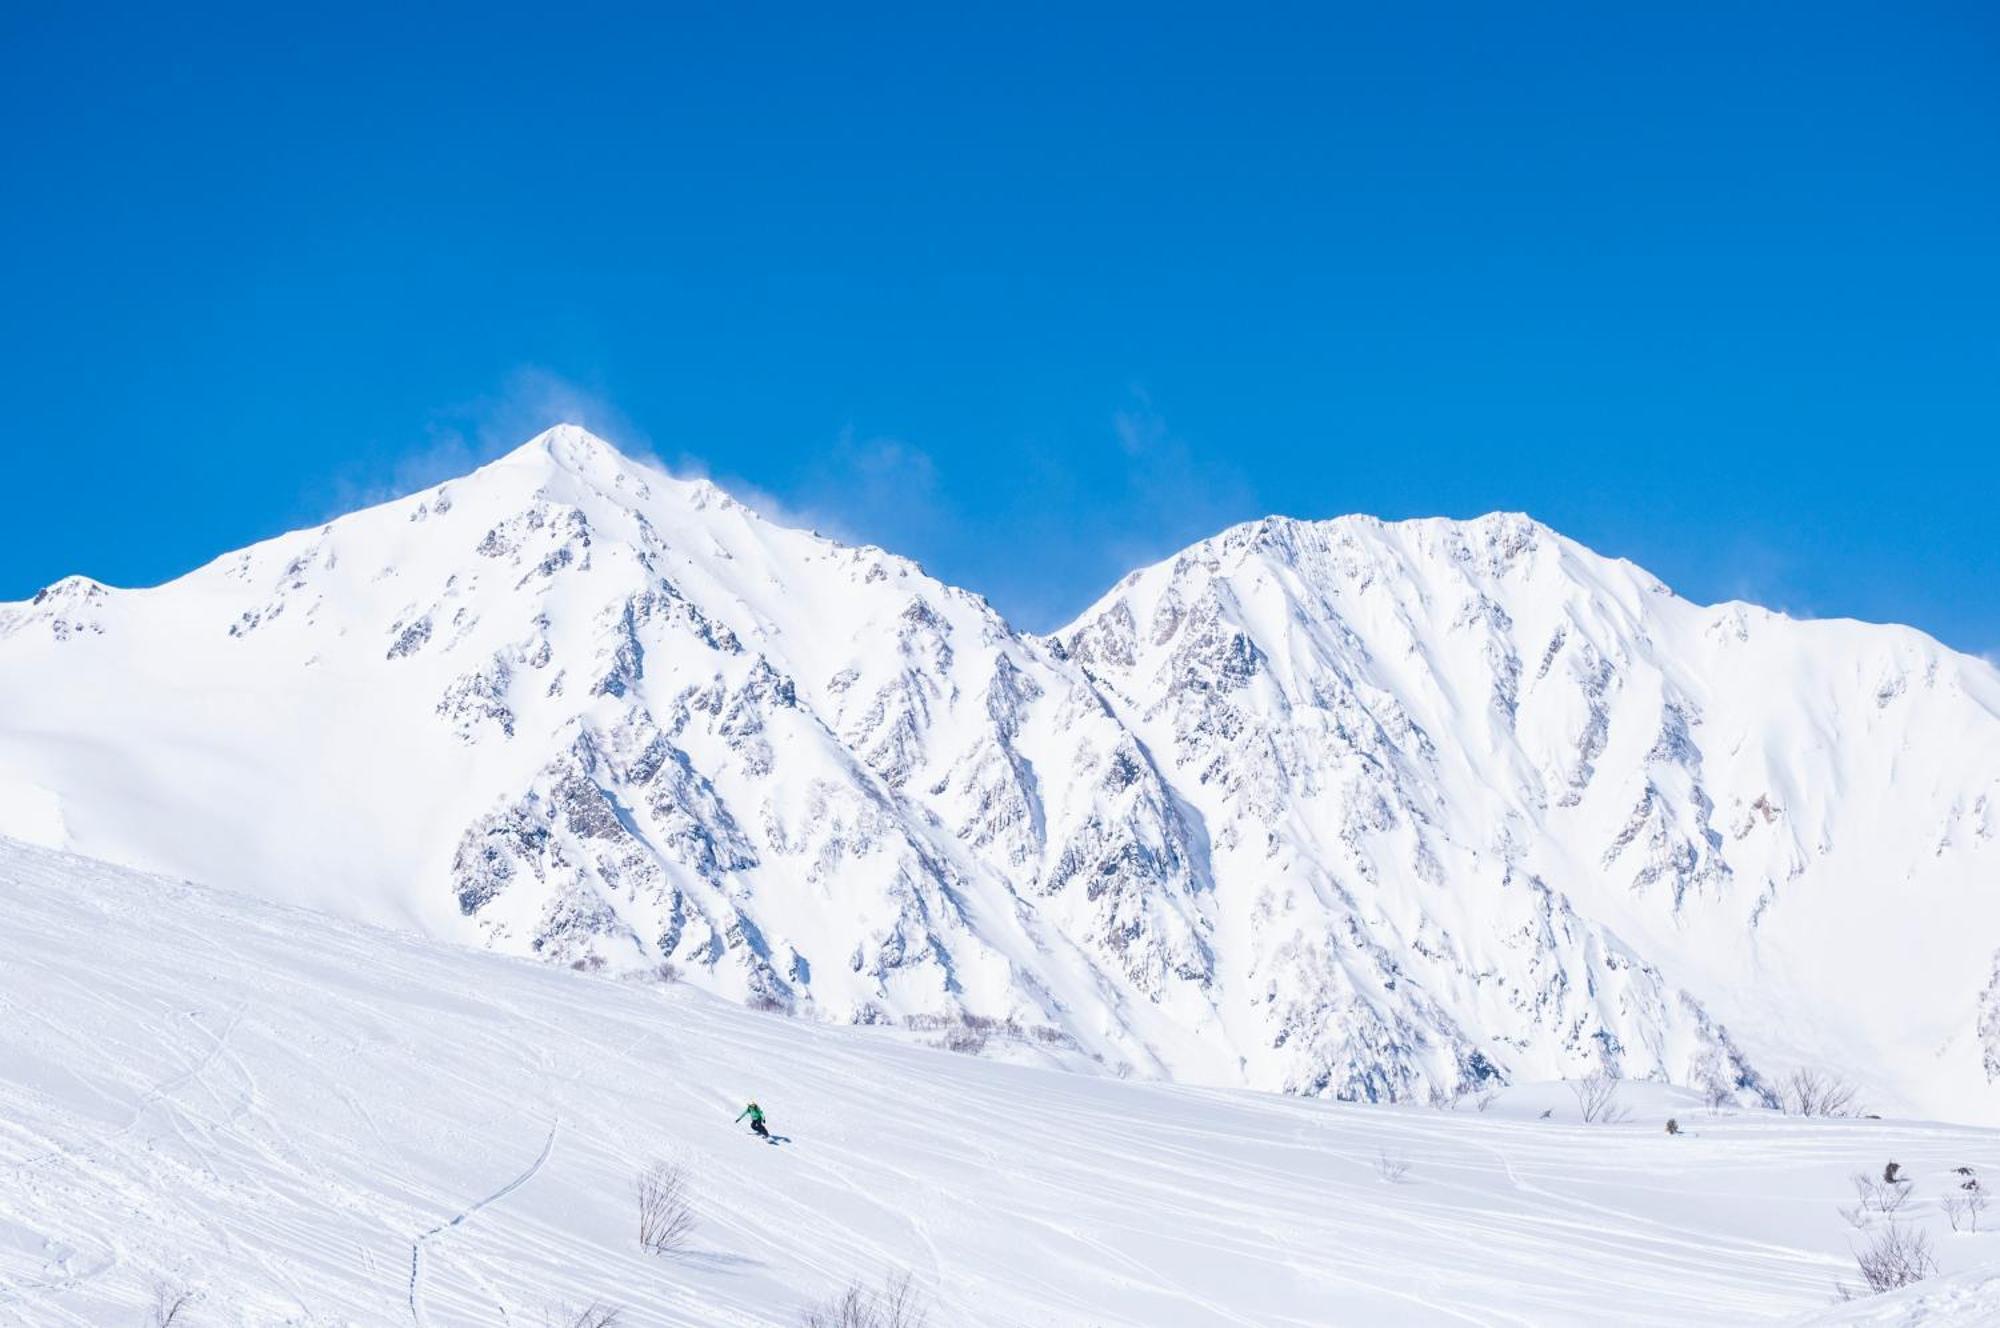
(756, 1115)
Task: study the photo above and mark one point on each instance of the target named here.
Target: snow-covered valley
(1349, 809)
(308, 1121)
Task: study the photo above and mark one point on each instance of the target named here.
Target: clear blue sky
(1029, 296)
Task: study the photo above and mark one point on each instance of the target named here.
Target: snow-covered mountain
(1343, 808)
(1507, 795)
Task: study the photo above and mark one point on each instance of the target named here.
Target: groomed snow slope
(314, 1122)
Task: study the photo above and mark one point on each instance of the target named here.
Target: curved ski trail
(417, 1245)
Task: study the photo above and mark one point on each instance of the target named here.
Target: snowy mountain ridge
(1350, 808)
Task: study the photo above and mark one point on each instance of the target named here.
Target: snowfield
(310, 1121)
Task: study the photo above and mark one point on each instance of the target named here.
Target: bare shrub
(896, 1305)
(1816, 1093)
(171, 1303)
(970, 1033)
(767, 1003)
(1483, 1101)
(594, 1315)
(1882, 1196)
(666, 1213)
(966, 1040)
(1898, 1256)
(1597, 1099)
(1392, 1169)
(1964, 1206)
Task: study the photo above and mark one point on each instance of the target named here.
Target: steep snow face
(1350, 809)
(1476, 796)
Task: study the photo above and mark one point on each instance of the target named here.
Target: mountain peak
(570, 446)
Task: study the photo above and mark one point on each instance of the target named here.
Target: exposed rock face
(1371, 811)
(1989, 1024)
(71, 607)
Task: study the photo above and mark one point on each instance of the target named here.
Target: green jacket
(753, 1111)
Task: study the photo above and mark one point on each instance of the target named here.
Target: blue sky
(1031, 295)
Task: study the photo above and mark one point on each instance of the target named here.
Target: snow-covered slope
(1347, 809)
(309, 1122)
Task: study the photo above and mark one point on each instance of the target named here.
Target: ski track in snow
(264, 1103)
(417, 1245)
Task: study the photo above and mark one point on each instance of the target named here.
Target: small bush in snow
(1898, 1256)
(766, 1003)
(1963, 1207)
(1881, 1196)
(963, 1039)
(593, 1315)
(666, 1213)
(1597, 1099)
(896, 1305)
(1816, 1093)
(1391, 1169)
(171, 1304)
